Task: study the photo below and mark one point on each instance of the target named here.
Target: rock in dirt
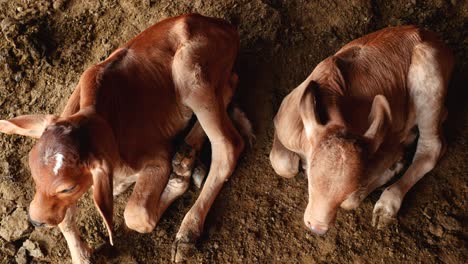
(7, 248)
(6, 207)
(450, 223)
(33, 249)
(436, 230)
(9, 28)
(9, 191)
(20, 257)
(4, 168)
(13, 226)
(57, 4)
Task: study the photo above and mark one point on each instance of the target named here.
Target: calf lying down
(398, 78)
(119, 125)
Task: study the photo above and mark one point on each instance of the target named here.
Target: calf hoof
(82, 254)
(386, 209)
(139, 219)
(183, 248)
(184, 160)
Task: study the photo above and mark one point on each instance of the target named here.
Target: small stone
(33, 249)
(436, 230)
(146, 3)
(18, 76)
(9, 191)
(8, 25)
(450, 223)
(215, 245)
(13, 226)
(20, 257)
(7, 248)
(19, 9)
(57, 4)
(4, 168)
(161, 232)
(6, 206)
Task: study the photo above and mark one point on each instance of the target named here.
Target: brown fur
(119, 125)
(323, 121)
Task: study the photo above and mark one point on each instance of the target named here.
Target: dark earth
(46, 45)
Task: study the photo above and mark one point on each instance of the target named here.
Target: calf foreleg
(142, 210)
(79, 250)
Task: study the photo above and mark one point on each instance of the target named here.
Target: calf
(119, 125)
(397, 77)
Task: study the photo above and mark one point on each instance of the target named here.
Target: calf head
(61, 164)
(337, 160)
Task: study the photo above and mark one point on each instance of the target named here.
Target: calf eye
(68, 190)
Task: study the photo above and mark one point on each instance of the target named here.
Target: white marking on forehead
(58, 162)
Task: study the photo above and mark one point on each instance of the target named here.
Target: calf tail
(242, 123)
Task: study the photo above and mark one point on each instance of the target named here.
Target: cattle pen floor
(258, 217)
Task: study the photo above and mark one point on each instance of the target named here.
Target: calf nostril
(35, 223)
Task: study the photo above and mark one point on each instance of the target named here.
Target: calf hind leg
(427, 82)
(284, 162)
(185, 159)
(226, 144)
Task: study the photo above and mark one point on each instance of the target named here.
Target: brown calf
(119, 125)
(350, 120)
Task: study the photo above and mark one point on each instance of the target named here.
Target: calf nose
(35, 223)
(318, 229)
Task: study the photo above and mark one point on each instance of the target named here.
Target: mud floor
(46, 45)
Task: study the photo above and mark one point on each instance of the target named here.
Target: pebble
(9, 191)
(4, 168)
(20, 257)
(33, 249)
(13, 226)
(18, 76)
(7, 248)
(436, 230)
(6, 206)
(161, 233)
(57, 4)
(450, 223)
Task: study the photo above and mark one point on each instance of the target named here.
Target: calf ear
(27, 125)
(308, 111)
(380, 119)
(103, 198)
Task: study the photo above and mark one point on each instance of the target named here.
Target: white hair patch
(58, 162)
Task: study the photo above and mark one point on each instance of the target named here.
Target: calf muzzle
(35, 223)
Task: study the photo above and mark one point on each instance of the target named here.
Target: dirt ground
(46, 45)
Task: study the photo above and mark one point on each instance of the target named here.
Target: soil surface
(257, 218)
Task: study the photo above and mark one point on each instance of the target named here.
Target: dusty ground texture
(46, 45)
